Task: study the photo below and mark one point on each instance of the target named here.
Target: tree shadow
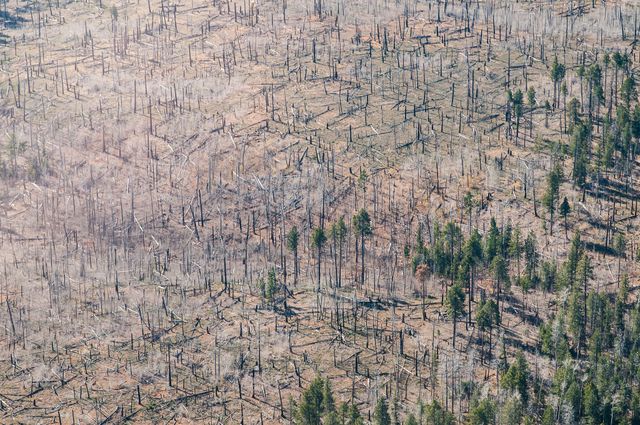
(11, 21)
(612, 190)
(599, 248)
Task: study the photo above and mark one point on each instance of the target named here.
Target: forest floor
(154, 151)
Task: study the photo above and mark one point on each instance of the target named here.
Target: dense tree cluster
(604, 123)
(592, 338)
(317, 406)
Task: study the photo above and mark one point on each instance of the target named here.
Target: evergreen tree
(592, 404)
(455, 306)
(531, 99)
(553, 339)
(531, 256)
(552, 193)
(584, 274)
(468, 204)
(350, 415)
(548, 276)
(518, 110)
(454, 238)
(487, 316)
(338, 235)
(500, 276)
(436, 415)
(623, 292)
(331, 419)
(411, 420)
(317, 406)
(511, 411)
(328, 403)
(634, 327)
(515, 248)
(573, 400)
(576, 322)
(473, 255)
(571, 265)
(557, 75)
(564, 91)
(292, 244)
(271, 287)
(516, 378)
(620, 245)
(381, 413)
(565, 209)
(492, 241)
(573, 115)
(505, 240)
(362, 227)
(581, 72)
(309, 410)
(547, 111)
(606, 147)
(580, 138)
(622, 136)
(596, 92)
(619, 62)
(318, 239)
(548, 416)
(628, 91)
(483, 412)
(354, 416)
(635, 122)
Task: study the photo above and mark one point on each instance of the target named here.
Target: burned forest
(388, 212)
